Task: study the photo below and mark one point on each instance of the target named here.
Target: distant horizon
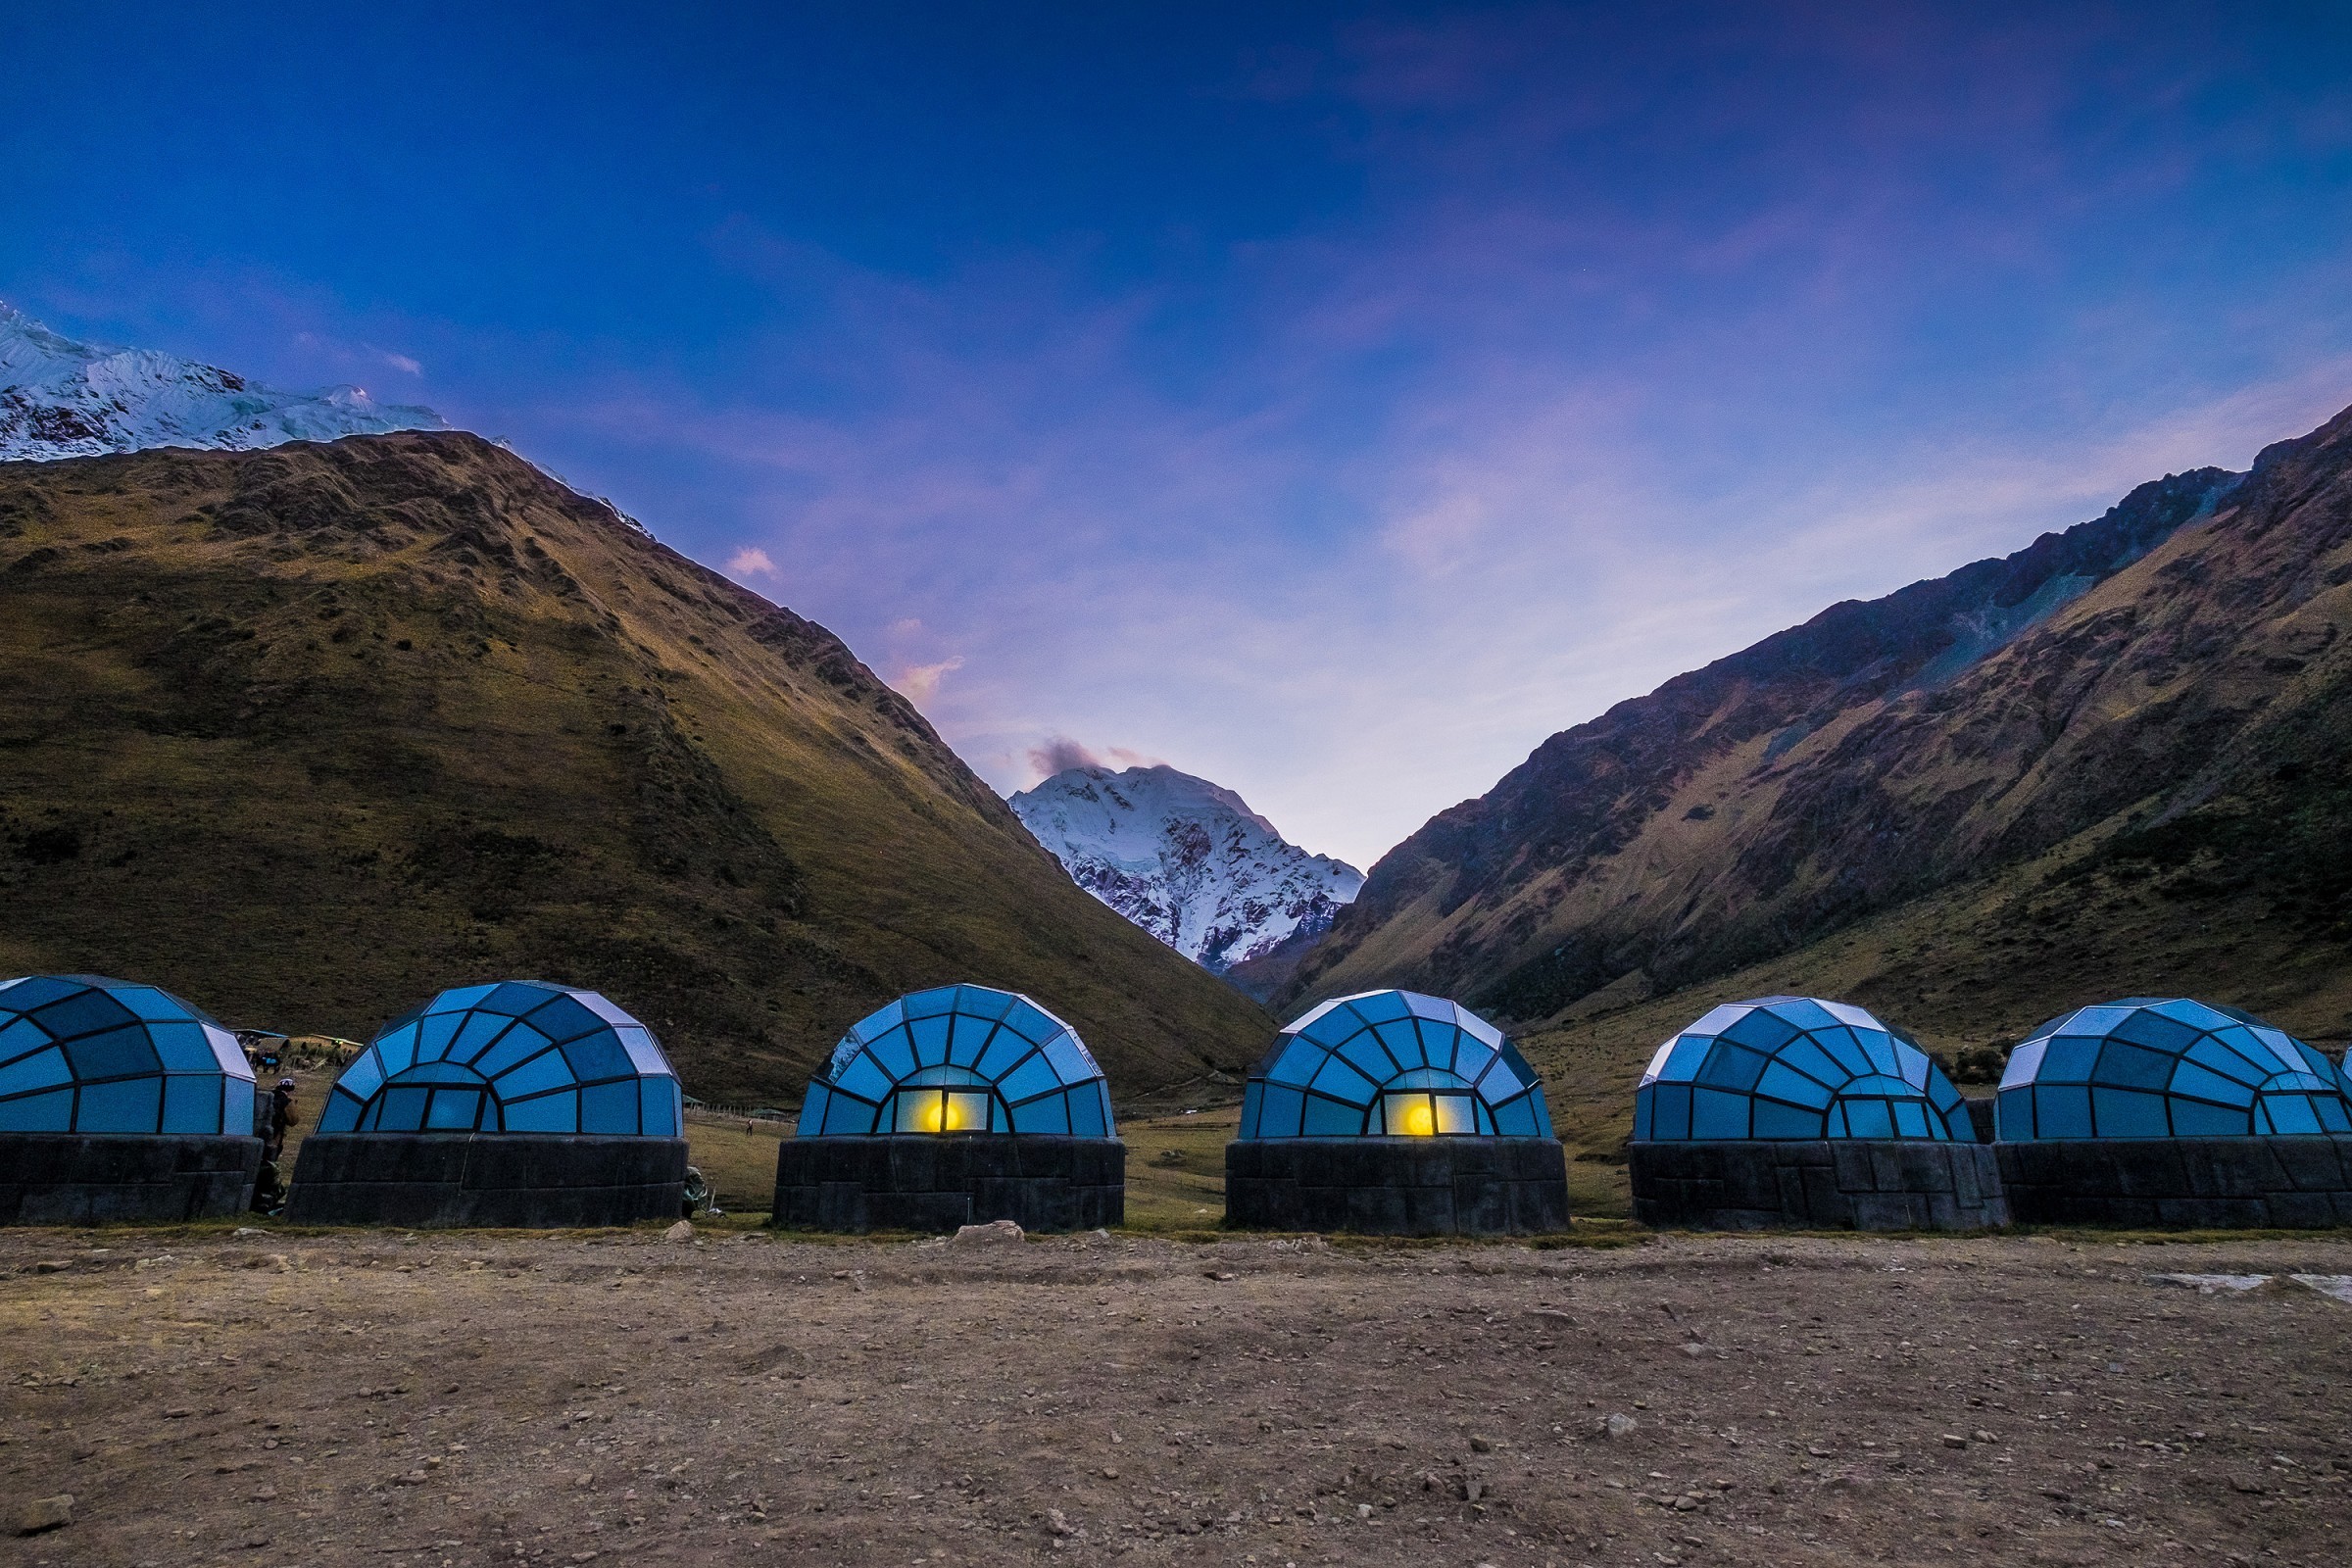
(1331, 402)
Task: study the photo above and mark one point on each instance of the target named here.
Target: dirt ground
(472, 1398)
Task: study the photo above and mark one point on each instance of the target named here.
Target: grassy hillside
(2111, 764)
(308, 733)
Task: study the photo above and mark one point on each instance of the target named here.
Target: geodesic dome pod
(1390, 1063)
(80, 1053)
(516, 1057)
(1795, 1068)
(2167, 1067)
(960, 1059)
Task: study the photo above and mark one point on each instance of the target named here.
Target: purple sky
(1333, 403)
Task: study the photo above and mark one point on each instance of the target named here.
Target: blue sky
(1334, 402)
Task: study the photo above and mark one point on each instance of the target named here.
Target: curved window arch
(1795, 1068)
(1392, 1063)
(516, 1057)
(2167, 1067)
(83, 1053)
(959, 1059)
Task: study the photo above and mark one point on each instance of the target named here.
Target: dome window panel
(2162, 1067)
(1830, 1070)
(85, 1054)
(475, 1057)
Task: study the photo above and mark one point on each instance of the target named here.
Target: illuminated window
(1392, 1063)
(2167, 1067)
(517, 1058)
(79, 1054)
(1796, 1067)
(960, 1059)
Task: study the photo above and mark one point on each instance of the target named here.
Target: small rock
(1695, 1350)
(1953, 1440)
(1055, 1524)
(51, 1265)
(994, 1232)
(683, 1231)
(1619, 1425)
(45, 1513)
(264, 1494)
(583, 1480)
(1111, 1473)
(1982, 1436)
(415, 1478)
(179, 1412)
(1549, 1314)
(1482, 1444)
(1219, 1273)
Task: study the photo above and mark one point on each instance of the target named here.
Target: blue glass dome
(2166, 1067)
(1796, 1067)
(79, 1054)
(959, 1059)
(517, 1058)
(1392, 1063)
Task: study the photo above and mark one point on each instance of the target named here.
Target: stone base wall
(92, 1179)
(1397, 1186)
(934, 1182)
(2297, 1183)
(1838, 1184)
(522, 1181)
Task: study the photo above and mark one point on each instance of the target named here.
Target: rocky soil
(414, 1401)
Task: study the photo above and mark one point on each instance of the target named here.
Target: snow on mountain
(63, 399)
(1187, 860)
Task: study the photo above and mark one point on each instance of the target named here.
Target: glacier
(1187, 860)
(60, 398)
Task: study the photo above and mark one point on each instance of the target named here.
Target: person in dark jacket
(279, 1117)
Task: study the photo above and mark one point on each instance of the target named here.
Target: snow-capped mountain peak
(60, 398)
(1187, 860)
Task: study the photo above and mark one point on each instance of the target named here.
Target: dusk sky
(1331, 401)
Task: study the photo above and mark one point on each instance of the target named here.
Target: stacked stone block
(934, 1182)
(2294, 1182)
(519, 1180)
(107, 1178)
(1831, 1184)
(1397, 1186)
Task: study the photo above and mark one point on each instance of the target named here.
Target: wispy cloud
(919, 683)
(749, 562)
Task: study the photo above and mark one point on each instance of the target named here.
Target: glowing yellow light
(1419, 1120)
(960, 1117)
(932, 1118)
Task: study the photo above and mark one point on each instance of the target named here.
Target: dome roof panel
(2167, 1067)
(896, 1069)
(1392, 1062)
(487, 1059)
(83, 1054)
(1795, 1067)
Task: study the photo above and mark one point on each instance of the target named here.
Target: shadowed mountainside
(308, 733)
(2113, 760)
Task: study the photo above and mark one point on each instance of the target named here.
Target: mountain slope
(2167, 682)
(308, 733)
(60, 398)
(1187, 860)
